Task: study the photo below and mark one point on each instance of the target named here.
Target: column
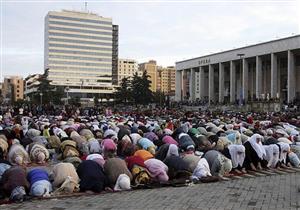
(245, 80)
(221, 83)
(192, 85)
(201, 82)
(291, 77)
(232, 82)
(211, 85)
(258, 77)
(178, 85)
(273, 75)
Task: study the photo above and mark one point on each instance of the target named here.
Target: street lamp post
(41, 98)
(67, 90)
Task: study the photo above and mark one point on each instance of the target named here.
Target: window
(80, 52)
(79, 36)
(80, 25)
(81, 20)
(79, 41)
(80, 47)
(80, 30)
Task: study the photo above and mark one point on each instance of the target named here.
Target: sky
(164, 30)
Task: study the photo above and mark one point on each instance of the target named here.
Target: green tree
(123, 93)
(140, 89)
(159, 98)
(47, 92)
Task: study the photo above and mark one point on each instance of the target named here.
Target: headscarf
(145, 143)
(135, 138)
(237, 153)
(144, 154)
(18, 194)
(272, 155)
(284, 149)
(157, 169)
(97, 158)
(202, 169)
(151, 136)
(123, 183)
(108, 144)
(258, 147)
(169, 140)
(173, 150)
(17, 155)
(135, 160)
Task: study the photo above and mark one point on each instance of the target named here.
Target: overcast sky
(167, 31)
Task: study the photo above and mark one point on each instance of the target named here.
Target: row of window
(79, 41)
(81, 20)
(74, 80)
(80, 36)
(80, 25)
(80, 30)
(81, 63)
(80, 52)
(108, 70)
(80, 58)
(69, 74)
(80, 47)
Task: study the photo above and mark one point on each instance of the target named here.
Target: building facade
(150, 68)
(166, 80)
(31, 84)
(269, 70)
(12, 89)
(81, 52)
(126, 69)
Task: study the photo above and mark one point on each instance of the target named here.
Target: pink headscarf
(108, 144)
(157, 169)
(169, 140)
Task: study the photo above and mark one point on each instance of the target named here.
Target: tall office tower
(81, 53)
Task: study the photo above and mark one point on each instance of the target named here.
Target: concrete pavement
(263, 192)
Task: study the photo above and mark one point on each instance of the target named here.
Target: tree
(159, 98)
(140, 89)
(47, 92)
(123, 93)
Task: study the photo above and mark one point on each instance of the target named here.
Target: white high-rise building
(81, 52)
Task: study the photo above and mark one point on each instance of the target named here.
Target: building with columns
(265, 70)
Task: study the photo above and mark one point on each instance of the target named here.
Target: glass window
(79, 58)
(80, 30)
(81, 63)
(81, 20)
(79, 36)
(80, 52)
(80, 25)
(80, 47)
(79, 41)
(71, 68)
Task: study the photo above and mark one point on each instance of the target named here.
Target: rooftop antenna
(85, 6)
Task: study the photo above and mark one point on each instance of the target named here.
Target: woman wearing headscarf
(109, 148)
(271, 155)
(39, 182)
(202, 144)
(97, 158)
(125, 148)
(144, 154)
(201, 171)
(113, 168)
(139, 171)
(65, 178)
(15, 183)
(17, 155)
(185, 142)
(236, 153)
(254, 153)
(38, 153)
(158, 170)
(169, 140)
(92, 176)
(219, 164)
(146, 144)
